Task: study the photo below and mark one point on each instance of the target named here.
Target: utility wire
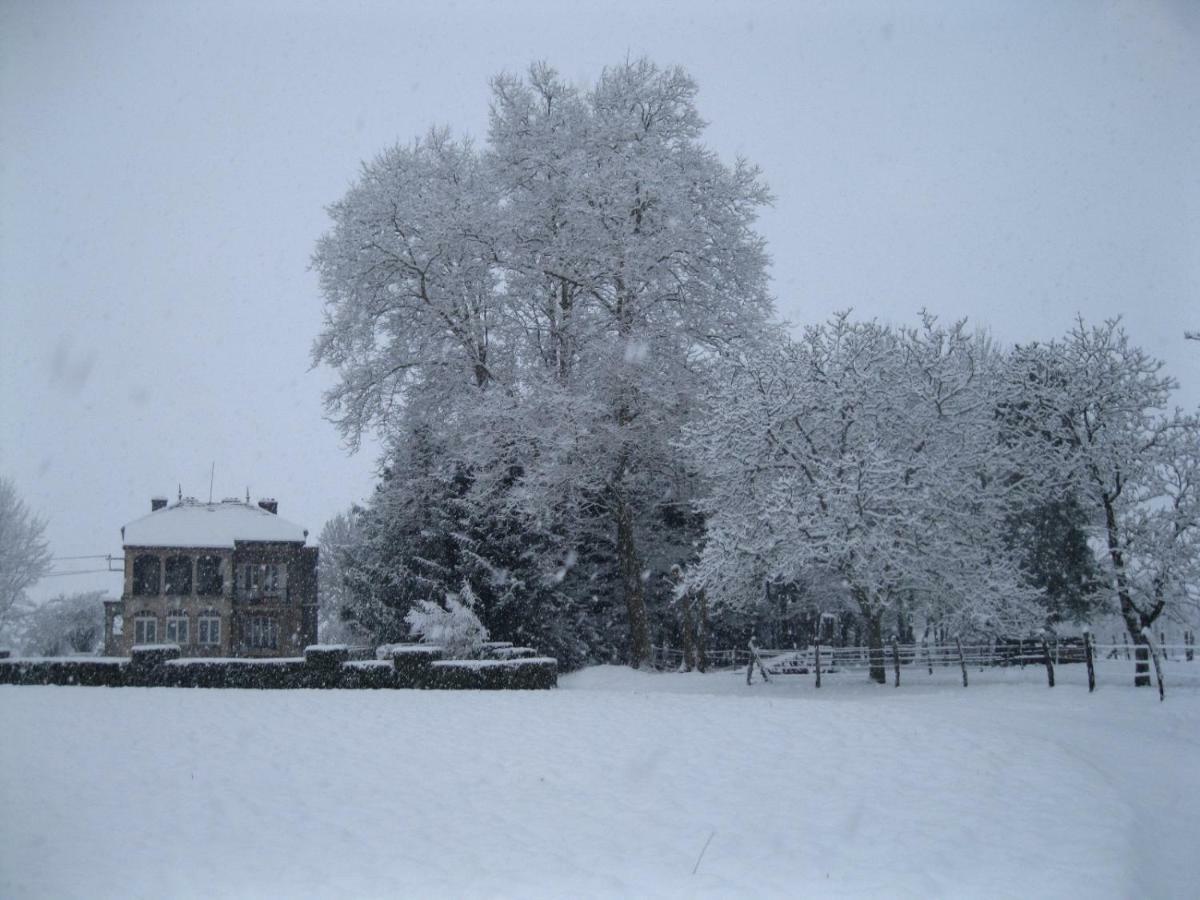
(82, 572)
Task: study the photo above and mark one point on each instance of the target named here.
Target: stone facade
(253, 599)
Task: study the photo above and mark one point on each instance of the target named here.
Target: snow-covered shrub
(454, 627)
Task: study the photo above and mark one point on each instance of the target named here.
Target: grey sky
(164, 169)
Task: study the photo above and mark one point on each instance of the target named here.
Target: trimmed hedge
(324, 664)
(110, 672)
(514, 653)
(408, 666)
(413, 663)
(258, 674)
(538, 673)
(372, 674)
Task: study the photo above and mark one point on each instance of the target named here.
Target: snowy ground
(612, 785)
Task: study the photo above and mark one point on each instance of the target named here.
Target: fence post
(1149, 636)
(1125, 641)
(817, 665)
(928, 658)
(1049, 662)
(962, 661)
(1087, 653)
(755, 658)
(750, 667)
(896, 659)
(1190, 643)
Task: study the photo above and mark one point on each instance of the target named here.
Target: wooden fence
(906, 662)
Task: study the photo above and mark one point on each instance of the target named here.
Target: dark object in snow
(413, 662)
(404, 666)
(1091, 668)
(94, 672)
(513, 653)
(324, 664)
(495, 674)
(143, 659)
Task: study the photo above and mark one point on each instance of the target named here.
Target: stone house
(218, 579)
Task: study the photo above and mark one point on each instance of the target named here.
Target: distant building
(218, 579)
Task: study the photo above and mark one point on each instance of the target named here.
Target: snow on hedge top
(190, 523)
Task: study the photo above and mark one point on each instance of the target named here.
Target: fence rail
(896, 659)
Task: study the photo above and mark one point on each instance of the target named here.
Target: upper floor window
(208, 576)
(179, 575)
(263, 579)
(147, 575)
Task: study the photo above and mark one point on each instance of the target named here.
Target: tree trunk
(1135, 619)
(687, 632)
(631, 584)
(878, 670)
(1141, 661)
(702, 632)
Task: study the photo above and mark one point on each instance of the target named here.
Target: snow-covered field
(619, 783)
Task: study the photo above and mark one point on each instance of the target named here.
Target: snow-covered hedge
(96, 672)
(260, 674)
(405, 666)
(145, 657)
(535, 673)
(371, 674)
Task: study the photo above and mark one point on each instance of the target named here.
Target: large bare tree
(24, 556)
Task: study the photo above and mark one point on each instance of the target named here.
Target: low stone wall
(418, 666)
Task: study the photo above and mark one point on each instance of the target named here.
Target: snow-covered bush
(454, 627)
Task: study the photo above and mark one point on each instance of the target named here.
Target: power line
(94, 556)
(82, 572)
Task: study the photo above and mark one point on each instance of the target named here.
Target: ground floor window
(264, 633)
(145, 630)
(209, 628)
(177, 629)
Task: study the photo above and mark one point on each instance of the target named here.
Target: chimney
(269, 505)
(157, 503)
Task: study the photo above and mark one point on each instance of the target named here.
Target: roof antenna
(211, 473)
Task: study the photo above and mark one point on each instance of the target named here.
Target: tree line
(596, 428)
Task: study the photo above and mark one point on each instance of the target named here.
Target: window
(209, 581)
(251, 580)
(179, 575)
(145, 630)
(177, 629)
(263, 579)
(274, 578)
(209, 629)
(264, 633)
(146, 575)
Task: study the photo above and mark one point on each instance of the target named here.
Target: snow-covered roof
(190, 523)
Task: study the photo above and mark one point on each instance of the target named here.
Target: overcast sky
(164, 169)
